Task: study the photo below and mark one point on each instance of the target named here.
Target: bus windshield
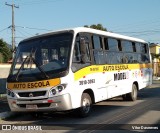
(45, 55)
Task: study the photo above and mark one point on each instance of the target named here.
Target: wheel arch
(91, 93)
(137, 85)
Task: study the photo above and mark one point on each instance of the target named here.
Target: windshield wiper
(21, 68)
(41, 70)
(30, 58)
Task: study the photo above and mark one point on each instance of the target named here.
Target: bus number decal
(85, 82)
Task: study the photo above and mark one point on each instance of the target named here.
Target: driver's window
(76, 52)
(81, 53)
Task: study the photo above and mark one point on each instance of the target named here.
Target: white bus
(75, 68)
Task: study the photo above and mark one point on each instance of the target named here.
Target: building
(155, 52)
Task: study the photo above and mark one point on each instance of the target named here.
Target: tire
(86, 105)
(132, 96)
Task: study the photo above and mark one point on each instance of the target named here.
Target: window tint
(108, 50)
(143, 48)
(84, 48)
(127, 46)
(106, 44)
(134, 47)
(98, 57)
(135, 58)
(81, 49)
(130, 58)
(97, 42)
(76, 52)
(113, 57)
(81, 53)
(138, 47)
(113, 44)
(97, 49)
(145, 58)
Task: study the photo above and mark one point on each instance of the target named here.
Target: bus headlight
(60, 88)
(10, 93)
(57, 89)
(53, 91)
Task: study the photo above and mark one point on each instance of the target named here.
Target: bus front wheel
(86, 105)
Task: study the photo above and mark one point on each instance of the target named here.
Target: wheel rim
(86, 105)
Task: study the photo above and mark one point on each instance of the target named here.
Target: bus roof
(108, 34)
(89, 30)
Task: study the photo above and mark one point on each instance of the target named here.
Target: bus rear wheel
(132, 96)
(86, 105)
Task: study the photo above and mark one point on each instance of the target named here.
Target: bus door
(147, 76)
(147, 69)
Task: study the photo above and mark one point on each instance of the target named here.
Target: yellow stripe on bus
(34, 85)
(108, 68)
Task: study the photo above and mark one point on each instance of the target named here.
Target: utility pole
(13, 26)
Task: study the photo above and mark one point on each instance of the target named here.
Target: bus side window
(127, 46)
(113, 44)
(144, 55)
(113, 55)
(98, 50)
(138, 47)
(142, 51)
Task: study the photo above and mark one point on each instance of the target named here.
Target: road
(107, 115)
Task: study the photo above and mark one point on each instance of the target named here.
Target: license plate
(31, 106)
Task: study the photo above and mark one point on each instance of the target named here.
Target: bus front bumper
(58, 103)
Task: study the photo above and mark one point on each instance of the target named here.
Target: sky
(136, 18)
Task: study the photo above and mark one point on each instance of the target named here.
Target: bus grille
(40, 105)
(32, 94)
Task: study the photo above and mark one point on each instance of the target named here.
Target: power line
(4, 29)
(21, 34)
(33, 28)
(138, 24)
(37, 2)
(26, 32)
(147, 31)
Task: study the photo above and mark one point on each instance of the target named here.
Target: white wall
(4, 71)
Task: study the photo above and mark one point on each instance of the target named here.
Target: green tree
(98, 27)
(5, 52)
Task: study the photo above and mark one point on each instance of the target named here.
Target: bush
(5, 52)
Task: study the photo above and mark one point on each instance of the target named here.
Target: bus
(72, 69)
